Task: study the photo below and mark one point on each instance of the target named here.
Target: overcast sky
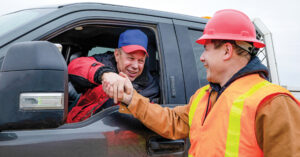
(281, 17)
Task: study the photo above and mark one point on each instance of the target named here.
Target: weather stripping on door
(159, 145)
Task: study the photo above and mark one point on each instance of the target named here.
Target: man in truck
(87, 74)
(239, 113)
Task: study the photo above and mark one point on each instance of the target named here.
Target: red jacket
(84, 68)
(84, 73)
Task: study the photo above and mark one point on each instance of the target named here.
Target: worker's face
(132, 64)
(213, 62)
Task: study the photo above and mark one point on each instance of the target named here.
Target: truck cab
(36, 45)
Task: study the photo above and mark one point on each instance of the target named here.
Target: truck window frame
(116, 24)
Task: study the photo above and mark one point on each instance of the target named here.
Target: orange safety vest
(229, 128)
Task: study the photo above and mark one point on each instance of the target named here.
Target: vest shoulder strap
(195, 102)
(233, 132)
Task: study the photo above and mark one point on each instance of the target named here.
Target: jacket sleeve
(169, 123)
(277, 127)
(84, 73)
(85, 68)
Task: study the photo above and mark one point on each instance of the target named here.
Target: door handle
(159, 145)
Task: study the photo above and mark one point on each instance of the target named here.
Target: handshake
(117, 87)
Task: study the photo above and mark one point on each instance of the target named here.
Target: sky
(281, 17)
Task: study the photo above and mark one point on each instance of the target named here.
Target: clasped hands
(117, 87)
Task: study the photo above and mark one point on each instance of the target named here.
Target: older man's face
(132, 64)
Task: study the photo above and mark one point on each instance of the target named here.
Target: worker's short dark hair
(239, 50)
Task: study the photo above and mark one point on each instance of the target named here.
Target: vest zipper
(208, 106)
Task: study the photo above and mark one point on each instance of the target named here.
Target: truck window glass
(99, 50)
(198, 50)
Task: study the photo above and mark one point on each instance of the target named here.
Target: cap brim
(133, 48)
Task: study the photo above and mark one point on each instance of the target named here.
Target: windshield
(11, 21)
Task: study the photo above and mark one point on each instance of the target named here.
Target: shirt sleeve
(277, 127)
(169, 123)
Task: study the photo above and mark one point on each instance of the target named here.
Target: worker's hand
(116, 86)
(113, 84)
(128, 89)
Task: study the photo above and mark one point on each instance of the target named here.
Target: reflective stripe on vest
(233, 133)
(195, 103)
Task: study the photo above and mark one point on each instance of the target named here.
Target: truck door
(193, 70)
(107, 133)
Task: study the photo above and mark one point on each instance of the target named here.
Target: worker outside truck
(239, 113)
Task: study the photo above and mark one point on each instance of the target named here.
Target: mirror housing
(33, 87)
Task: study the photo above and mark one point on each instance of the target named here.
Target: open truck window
(83, 40)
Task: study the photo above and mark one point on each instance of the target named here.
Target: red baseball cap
(133, 40)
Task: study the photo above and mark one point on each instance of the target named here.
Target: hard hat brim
(202, 40)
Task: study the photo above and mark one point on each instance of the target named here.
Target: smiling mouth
(131, 74)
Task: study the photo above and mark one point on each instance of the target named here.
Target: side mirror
(33, 86)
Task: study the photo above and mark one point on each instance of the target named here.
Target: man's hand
(110, 77)
(128, 88)
(114, 86)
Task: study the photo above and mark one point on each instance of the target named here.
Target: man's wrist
(99, 73)
(128, 98)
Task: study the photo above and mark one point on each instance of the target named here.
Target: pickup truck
(36, 46)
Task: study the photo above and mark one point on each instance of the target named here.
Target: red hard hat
(229, 24)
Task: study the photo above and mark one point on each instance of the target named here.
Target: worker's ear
(228, 51)
(117, 54)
